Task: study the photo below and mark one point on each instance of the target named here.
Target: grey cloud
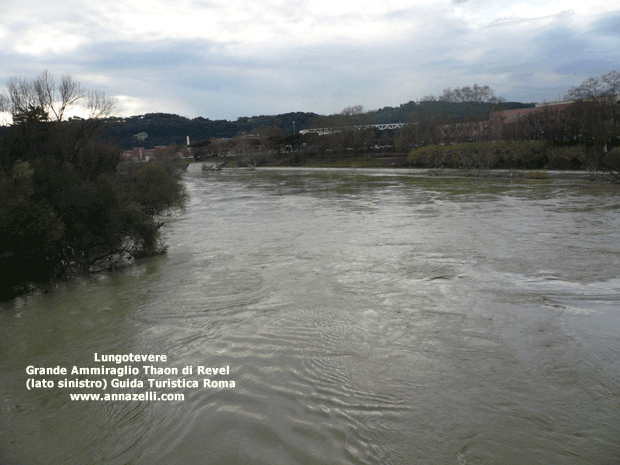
(560, 17)
(203, 77)
(575, 53)
(607, 26)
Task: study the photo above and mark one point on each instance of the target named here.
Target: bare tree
(611, 81)
(590, 88)
(99, 105)
(54, 98)
(4, 106)
(47, 100)
(594, 87)
(428, 98)
(4, 102)
(476, 93)
(354, 110)
(448, 95)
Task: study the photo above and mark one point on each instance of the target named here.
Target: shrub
(482, 155)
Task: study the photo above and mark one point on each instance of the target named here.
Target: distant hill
(166, 128)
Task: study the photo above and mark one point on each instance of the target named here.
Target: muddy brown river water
(364, 317)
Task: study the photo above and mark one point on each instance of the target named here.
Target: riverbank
(518, 159)
(395, 165)
(303, 159)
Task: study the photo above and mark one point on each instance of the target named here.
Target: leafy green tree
(68, 206)
(30, 231)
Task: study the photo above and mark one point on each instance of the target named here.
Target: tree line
(69, 205)
(581, 133)
(462, 128)
(595, 87)
(425, 118)
(460, 104)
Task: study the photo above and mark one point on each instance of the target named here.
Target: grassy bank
(520, 159)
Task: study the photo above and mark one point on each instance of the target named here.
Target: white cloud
(48, 40)
(130, 105)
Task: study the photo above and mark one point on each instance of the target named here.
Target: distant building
(137, 154)
(532, 120)
(510, 115)
(140, 153)
(549, 107)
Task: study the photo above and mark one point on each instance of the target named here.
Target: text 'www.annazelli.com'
(127, 397)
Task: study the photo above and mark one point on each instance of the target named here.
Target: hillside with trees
(344, 135)
(469, 103)
(166, 128)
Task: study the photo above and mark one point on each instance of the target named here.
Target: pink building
(140, 153)
(511, 115)
(534, 122)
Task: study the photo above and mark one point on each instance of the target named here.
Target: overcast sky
(223, 59)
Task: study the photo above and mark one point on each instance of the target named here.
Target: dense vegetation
(68, 205)
(499, 155)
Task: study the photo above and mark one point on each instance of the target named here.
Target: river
(364, 317)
